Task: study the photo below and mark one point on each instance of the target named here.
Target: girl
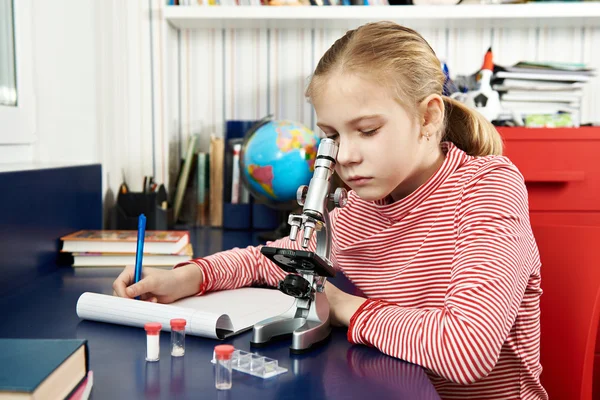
(436, 230)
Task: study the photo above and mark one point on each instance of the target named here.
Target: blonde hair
(400, 58)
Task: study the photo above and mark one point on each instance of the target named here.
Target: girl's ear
(431, 110)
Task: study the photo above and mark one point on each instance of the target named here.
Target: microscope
(308, 318)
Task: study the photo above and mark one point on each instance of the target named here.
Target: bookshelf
(564, 15)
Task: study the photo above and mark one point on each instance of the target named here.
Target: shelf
(568, 14)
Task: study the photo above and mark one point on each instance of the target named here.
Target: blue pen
(139, 251)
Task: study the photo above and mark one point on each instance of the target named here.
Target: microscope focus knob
(301, 194)
(295, 286)
(340, 197)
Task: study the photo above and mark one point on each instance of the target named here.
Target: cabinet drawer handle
(554, 176)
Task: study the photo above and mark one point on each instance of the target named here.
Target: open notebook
(214, 315)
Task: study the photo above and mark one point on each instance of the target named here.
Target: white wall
(64, 57)
(91, 66)
(246, 73)
(63, 73)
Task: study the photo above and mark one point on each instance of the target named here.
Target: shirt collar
(397, 210)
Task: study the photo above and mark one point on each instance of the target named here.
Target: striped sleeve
(461, 341)
(235, 268)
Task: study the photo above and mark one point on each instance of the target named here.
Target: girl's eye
(332, 136)
(369, 133)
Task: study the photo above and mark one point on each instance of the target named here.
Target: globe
(277, 157)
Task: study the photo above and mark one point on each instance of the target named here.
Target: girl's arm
(238, 267)
(495, 255)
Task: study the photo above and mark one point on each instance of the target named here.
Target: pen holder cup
(130, 205)
(237, 216)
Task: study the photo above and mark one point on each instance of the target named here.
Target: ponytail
(469, 130)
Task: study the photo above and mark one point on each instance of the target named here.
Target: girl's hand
(342, 305)
(158, 285)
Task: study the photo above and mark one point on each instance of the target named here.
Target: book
(82, 392)
(525, 107)
(202, 187)
(42, 368)
(558, 88)
(183, 177)
(566, 97)
(544, 76)
(552, 66)
(124, 259)
(216, 157)
(124, 241)
(215, 315)
(529, 84)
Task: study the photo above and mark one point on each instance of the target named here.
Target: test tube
(223, 353)
(177, 337)
(152, 340)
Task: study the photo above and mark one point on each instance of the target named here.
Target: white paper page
(245, 306)
(231, 310)
(119, 310)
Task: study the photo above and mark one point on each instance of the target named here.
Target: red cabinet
(561, 168)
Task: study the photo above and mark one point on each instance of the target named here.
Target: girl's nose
(348, 152)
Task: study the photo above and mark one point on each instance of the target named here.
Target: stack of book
(45, 369)
(531, 89)
(116, 248)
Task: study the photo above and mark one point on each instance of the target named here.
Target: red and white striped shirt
(451, 272)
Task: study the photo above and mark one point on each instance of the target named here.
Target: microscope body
(308, 318)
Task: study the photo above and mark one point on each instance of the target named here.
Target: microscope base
(305, 332)
(309, 335)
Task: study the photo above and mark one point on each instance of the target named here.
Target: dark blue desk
(45, 308)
